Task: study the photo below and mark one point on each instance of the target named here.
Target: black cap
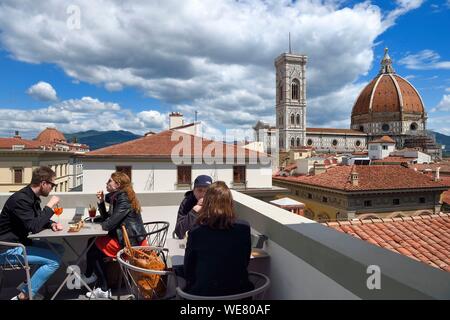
(202, 181)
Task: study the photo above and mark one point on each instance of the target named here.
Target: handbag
(151, 286)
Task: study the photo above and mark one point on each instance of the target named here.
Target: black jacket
(186, 216)
(22, 215)
(216, 261)
(120, 212)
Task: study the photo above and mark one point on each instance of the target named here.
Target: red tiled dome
(388, 92)
(50, 135)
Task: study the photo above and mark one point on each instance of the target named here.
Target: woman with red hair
(124, 209)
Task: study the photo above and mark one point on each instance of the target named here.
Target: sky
(125, 65)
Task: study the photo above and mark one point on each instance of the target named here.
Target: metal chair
(260, 281)
(14, 261)
(136, 277)
(156, 233)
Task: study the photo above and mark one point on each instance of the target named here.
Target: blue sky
(110, 66)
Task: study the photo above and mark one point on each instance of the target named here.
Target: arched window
(280, 92)
(298, 119)
(292, 142)
(295, 89)
(281, 142)
(298, 142)
(292, 119)
(310, 142)
(413, 126)
(335, 142)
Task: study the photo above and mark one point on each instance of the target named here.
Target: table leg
(77, 262)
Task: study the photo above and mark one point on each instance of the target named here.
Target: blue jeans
(38, 254)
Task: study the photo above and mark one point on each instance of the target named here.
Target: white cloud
(42, 91)
(447, 89)
(443, 105)
(423, 60)
(214, 56)
(79, 115)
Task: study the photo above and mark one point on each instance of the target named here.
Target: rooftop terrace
(307, 259)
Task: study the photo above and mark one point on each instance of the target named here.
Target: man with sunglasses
(21, 215)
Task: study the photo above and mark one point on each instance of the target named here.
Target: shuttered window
(184, 174)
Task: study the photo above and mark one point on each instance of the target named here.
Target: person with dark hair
(124, 209)
(22, 214)
(191, 205)
(218, 247)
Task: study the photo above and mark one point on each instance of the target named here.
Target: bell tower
(291, 100)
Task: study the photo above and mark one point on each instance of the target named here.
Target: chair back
(15, 260)
(156, 233)
(260, 281)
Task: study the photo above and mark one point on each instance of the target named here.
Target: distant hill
(443, 139)
(100, 139)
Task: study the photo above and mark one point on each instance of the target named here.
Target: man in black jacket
(21, 215)
(191, 205)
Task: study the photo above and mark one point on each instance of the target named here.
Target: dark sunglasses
(51, 183)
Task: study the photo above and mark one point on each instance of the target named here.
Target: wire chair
(147, 284)
(15, 261)
(259, 280)
(156, 233)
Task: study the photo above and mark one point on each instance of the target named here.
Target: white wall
(163, 176)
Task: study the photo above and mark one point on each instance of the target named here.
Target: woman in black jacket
(218, 247)
(124, 209)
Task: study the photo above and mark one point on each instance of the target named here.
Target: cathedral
(388, 105)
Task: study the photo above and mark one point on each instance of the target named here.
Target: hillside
(100, 139)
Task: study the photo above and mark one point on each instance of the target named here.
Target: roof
(335, 131)
(8, 143)
(168, 143)
(388, 93)
(423, 238)
(383, 139)
(370, 178)
(393, 159)
(50, 135)
(287, 202)
(445, 166)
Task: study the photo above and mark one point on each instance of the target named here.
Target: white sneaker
(98, 293)
(90, 279)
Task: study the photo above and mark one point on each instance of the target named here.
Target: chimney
(319, 168)
(437, 174)
(354, 178)
(17, 135)
(175, 120)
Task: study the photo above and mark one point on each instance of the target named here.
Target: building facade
(348, 192)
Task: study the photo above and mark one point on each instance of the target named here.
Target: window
(281, 143)
(298, 119)
(18, 175)
(292, 119)
(324, 199)
(413, 126)
(385, 127)
(296, 192)
(124, 169)
(361, 128)
(295, 89)
(396, 202)
(184, 174)
(310, 142)
(385, 147)
(421, 200)
(367, 203)
(239, 174)
(292, 142)
(357, 143)
(280, 93)
(309, 196)
(298, 142)
(335, 142)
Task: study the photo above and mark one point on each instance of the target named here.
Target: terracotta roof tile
(425, 239)
(8, 143)
(165, 143)
(369, 178)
